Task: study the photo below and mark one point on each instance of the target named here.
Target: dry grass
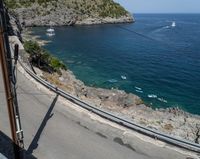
(168, 127)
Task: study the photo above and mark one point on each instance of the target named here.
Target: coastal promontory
(68, 12)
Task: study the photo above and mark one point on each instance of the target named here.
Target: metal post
(9, 97)
(10, 92)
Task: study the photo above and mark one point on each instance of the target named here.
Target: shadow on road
(6, 148)
(34, 143)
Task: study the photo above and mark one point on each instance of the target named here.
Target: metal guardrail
(127, 123)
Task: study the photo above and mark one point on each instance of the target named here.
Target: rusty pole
(9, 97)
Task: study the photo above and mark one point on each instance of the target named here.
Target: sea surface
(161, 64)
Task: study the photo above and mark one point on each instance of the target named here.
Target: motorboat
(152, 96)
(123, 77)
(173, 24)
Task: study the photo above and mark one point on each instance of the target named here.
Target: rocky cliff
(68, 12)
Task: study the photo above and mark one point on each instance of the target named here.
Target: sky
(161, 6)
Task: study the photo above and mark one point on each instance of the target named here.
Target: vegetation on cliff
(68, 12)
(41, 58)
(103, 8)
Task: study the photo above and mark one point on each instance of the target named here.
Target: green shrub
(11, 4)
(32, 47)
(42, 58)
(111, 9)
(56, 64)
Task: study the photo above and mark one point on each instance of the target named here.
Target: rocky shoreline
(93, 21)
(62, 15)
(172, 121)
(55, 20)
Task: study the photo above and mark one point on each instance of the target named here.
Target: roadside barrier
(119, 120)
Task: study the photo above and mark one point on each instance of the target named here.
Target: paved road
(51, 134)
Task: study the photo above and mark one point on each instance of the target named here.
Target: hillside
(68, 12)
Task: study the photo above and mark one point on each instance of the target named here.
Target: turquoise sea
(163, 69)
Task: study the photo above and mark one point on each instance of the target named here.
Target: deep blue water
(168, 66)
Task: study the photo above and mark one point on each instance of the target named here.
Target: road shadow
(7, 150)
(34, 143)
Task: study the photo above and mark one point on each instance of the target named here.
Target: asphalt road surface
(51, 133)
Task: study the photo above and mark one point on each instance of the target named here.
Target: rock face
(68, 12)
(98, 96)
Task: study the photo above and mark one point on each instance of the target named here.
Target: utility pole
(9, 85)
(8, 95)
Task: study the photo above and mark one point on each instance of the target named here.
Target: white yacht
(50, 31)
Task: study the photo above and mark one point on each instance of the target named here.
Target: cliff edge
(68, 12)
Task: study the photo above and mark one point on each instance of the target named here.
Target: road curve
(52, 132)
